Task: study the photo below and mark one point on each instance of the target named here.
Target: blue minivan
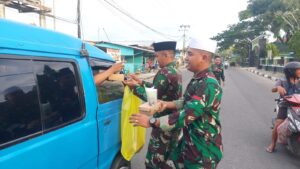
(52, 115)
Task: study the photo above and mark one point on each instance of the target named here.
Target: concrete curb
(262, 74)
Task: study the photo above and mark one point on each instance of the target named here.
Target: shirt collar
(201, 74)
(172, 64)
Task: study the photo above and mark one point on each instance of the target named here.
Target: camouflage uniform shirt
(201, 144)
(218, 74)
(167, 81)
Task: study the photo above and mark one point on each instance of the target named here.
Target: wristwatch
(152, 122)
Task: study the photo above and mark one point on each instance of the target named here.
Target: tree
(276, 16)
(294, 43)
(274, 49)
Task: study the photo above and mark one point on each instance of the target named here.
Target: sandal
(269, 150)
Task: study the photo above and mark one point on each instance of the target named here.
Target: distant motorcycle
(226, 64)
(289, 130)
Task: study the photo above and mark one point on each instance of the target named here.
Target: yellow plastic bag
(133, 138)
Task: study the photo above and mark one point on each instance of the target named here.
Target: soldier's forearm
(170, 105)
(140, 92)
(178, 104)
(147, 84)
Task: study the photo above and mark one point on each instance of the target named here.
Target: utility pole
(2, 11)
(53, 11)
(184, 29)
(42, 16)
(78, 20)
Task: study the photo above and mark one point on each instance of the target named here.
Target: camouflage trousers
(181, 164)
(176, 161)
(160, 145)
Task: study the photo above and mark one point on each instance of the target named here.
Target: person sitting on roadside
(288, 85)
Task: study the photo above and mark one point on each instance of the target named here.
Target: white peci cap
(205, 44)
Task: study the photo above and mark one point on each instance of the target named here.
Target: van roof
(20, 36)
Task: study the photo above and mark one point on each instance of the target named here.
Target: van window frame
(106, 62)
(78, 78)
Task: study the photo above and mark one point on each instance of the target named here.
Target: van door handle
(107, 122)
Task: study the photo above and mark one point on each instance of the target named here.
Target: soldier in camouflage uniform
(218, 70)
(167, 81)
(201, 144)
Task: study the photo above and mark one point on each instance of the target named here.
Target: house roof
(132, 47)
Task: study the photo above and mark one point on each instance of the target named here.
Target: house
(134, 56)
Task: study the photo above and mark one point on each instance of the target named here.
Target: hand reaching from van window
(101, 77)
(117, 67)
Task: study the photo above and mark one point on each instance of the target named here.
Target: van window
(108, 90)
(59, 93)
(35, 97)
(19, 109)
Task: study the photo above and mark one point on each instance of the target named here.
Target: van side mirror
(83, 51)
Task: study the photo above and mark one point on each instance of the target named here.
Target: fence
(275, 64)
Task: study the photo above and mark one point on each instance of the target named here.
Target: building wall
(125, 51)
(133, 57)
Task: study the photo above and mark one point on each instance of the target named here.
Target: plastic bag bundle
(133, 138)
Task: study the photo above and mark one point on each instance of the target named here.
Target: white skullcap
(205, 44)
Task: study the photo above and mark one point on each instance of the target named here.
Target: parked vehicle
(52, 115)
(291, 131)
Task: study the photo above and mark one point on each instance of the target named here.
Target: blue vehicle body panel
(109, 124)
(91, 143)
(31, 38)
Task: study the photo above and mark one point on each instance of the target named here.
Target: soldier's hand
(281, 90)
(131, 83)
(134, 77)
(139, 120)
(162, 106)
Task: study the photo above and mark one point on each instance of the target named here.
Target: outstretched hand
(139, 120)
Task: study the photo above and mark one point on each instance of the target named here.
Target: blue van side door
(110, 95)
(65, 126)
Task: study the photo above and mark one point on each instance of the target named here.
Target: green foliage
(274, 49)
(294, 43)
(259, 17)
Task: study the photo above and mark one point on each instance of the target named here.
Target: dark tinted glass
(108, 90)
(59, 93)
(12, 66)
(19, 109)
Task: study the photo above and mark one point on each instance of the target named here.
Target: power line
(106, 35)
(136, 20)
(121, 17)
(61, 18)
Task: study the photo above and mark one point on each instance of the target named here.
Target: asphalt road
(246, 113)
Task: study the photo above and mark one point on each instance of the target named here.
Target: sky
(102, 22)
